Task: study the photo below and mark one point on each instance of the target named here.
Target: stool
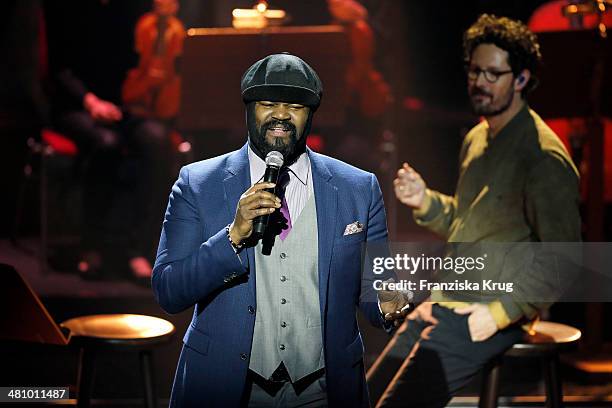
(117, 332)
(545, 340)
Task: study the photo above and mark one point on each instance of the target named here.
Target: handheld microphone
(274, 161)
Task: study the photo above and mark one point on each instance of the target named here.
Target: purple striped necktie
(283, 181)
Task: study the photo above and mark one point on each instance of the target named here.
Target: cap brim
(281, 93)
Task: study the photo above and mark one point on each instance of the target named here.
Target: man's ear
(521, 80)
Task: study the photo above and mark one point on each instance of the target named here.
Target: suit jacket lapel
(326, 199)
(235, 183)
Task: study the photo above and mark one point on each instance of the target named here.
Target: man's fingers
(260, 186)
(264, 194)
(477, 336)
(252, 198)
(255, 202)
(419, 314)
(262, 211)
(398, 314)
(258, 194)
(408, 168)
(394, 315)
(260, 203)
(402, 186)
(480, 336)
(431, 319)
(403, 174)
(252, 214)
(465, 310)
(408, 177)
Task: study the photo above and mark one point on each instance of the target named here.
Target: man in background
(517, 183)
(125, 158)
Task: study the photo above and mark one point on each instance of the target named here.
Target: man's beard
(492, 108)
(290, 148)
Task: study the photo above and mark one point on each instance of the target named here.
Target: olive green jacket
(520, 186)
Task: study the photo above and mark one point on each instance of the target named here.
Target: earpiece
(521, 79)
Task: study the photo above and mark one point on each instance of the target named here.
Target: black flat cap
(282, 78)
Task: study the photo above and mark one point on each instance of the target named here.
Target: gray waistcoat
(288, 319)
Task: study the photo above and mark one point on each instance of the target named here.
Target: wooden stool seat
(131, 332)
(545, 337)
(545, 340)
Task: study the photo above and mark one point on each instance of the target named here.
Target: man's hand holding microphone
(257, 203)
(252, 204)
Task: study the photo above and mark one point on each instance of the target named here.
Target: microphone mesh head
(275, 159)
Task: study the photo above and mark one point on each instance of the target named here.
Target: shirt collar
(300, 168)
(512, 127)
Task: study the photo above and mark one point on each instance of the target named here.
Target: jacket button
(251, 309)
(243, 356)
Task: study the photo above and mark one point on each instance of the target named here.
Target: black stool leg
(489, 390)
(85, 377)
(146, 366)
(552, 378)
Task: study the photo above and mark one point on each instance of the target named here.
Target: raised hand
(409, 187)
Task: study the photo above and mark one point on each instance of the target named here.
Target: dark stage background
(418, 51)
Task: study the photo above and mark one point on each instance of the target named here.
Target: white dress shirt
(298, 190)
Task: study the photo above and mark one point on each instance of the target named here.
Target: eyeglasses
(491, 76)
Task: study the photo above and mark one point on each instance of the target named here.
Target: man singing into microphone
(274, 321)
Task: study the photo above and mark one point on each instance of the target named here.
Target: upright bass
(153, 88)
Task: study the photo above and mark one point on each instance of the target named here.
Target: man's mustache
(479, 92)
(281, 124)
